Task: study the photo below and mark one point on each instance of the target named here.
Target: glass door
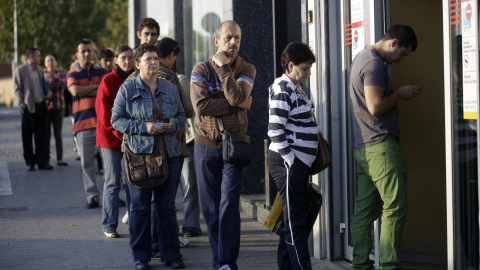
(363, 22)
(463, 39)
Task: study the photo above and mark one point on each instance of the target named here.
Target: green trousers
(382, 179)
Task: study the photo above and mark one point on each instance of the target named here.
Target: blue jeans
(188, 185)
(219, 187)
(140, 221)
(127, 191)
(112, 169)
(155, 244)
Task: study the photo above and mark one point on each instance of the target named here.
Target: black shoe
(191, 233)
(30, 168)
(62, 163)
(92, 204)
(142, 265)
(155, 255)
(45, 167)
(121, 203)
(176, 263)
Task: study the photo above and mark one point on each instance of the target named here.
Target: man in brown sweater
(219, 183)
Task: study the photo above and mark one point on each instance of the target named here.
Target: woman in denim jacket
(135, 113)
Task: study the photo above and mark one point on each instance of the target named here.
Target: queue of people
(140, 101)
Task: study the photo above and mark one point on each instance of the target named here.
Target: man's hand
(408, 92)
(246, 104)
(220, 59)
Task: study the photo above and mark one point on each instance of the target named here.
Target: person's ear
(290, 66)
(137, 65)
(215, 40)
(395, 42)
(139, 35)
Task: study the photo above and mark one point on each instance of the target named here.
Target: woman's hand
(151, 128)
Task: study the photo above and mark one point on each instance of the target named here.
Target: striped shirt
(291, 122)
(83, 108)
(234, 83)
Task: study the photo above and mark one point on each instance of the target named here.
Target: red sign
(355, 36)
(468, 11)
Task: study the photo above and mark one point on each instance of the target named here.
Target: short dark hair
(296, 52)
(142, 49)
(148, 22)
(166, 46)
(405, 35)
(85, 41)
(219, 27)
(105, 53)
(31, 51)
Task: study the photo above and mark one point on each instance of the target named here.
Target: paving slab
(44, 223)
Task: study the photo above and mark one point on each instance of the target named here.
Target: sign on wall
(357, 27)
(470, 58)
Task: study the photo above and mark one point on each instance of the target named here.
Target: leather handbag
(235, 146)
(323, 159)
(147, 170)
(313, 204)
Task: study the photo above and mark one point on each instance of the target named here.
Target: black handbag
(314, 203)
(235, 146)
(323, 159)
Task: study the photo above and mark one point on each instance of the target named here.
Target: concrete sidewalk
(44, 223)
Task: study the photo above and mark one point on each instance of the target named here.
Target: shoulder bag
(323, 159)
(147, 170)
(235, 146)
(313, 205)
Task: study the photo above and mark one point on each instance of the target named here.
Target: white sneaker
(184, 242)
(125, 218)
(111, 235)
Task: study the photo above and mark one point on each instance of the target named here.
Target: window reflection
(465, 165)
(205, 17)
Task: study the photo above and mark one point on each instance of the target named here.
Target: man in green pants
(381, 166)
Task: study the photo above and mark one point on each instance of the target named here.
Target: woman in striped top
(294, 135)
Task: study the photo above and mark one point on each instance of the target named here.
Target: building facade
(439, 127)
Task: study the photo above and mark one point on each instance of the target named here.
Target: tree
(54, 26)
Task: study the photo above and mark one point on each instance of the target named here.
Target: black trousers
(34, 126)
(292, 184)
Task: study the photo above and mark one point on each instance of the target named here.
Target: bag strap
(212, 76)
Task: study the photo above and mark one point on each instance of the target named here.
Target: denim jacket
(133, 107)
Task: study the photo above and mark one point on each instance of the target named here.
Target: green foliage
(54, 26)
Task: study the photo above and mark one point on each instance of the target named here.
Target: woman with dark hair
(56, 80)
(109, 140)
(295, 136)
(140, 104)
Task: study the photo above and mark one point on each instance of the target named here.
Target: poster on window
(358, 34)
(470, 58)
